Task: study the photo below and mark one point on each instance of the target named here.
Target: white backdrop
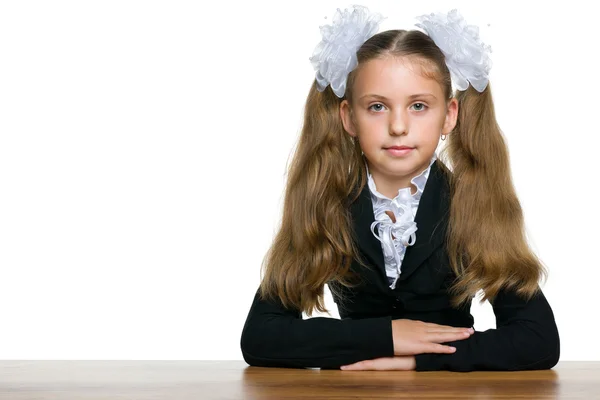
(143, 148)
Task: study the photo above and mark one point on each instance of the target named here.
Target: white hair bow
(467, 58)
(335, 56)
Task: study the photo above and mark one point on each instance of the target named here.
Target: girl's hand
(398, 363)
(413, 337)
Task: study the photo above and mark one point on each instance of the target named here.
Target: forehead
(393, 76)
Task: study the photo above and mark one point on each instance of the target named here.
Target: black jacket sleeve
(526, 338)
(274, 336)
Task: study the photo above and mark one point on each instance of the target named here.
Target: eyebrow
(410, 97)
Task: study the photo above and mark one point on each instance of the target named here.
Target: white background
(143, 152)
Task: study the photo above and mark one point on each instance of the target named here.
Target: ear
(345, 115)
(451, 115)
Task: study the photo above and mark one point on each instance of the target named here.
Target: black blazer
(526, 336)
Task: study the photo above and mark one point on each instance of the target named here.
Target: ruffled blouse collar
(403, 193)
(395, 236)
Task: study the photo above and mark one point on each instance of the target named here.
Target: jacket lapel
(431, 219)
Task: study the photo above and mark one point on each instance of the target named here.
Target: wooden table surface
(181, 380)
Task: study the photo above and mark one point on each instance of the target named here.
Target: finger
(442, 327)
(385, 363)
(434, 325)
(438, 348)
(379, 364)
(361, 365)
(449, 329)
(441, 337)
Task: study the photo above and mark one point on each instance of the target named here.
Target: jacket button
(397, 304)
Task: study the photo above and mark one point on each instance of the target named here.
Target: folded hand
(400, 363)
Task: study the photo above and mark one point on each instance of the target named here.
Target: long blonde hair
(315, 243)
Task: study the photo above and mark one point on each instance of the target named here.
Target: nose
(398, 123)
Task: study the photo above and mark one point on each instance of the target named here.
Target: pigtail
(315, 243)
(486, 238)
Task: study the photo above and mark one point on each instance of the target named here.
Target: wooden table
(181, 380)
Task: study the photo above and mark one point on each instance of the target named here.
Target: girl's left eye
(422, 108)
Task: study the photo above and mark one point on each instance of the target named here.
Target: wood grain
(181, 380)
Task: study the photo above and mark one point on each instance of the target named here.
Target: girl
(403, 242)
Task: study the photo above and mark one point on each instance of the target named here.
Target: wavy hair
(315, 243)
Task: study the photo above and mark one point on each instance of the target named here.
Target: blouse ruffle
(396, 236)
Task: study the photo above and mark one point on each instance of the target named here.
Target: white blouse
(404, 207)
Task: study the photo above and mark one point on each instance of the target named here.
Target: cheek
(370, 142)
(431, 131)
(431, 124)
(373, 125)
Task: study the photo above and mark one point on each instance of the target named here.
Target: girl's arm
(525, 338)
(276, 337)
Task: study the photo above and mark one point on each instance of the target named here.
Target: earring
(444, 137)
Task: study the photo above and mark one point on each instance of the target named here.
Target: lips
(399, 147)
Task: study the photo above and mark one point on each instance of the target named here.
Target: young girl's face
(410, 112)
